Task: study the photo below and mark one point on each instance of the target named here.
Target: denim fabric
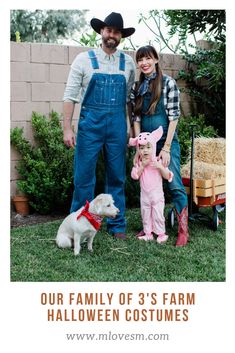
(152, 122)
(102, 124)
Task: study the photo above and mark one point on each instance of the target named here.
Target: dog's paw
(90, 249)
(76, 252)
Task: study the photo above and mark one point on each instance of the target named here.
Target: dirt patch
(21, 221)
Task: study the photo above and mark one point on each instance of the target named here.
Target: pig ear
(133, 141)
(157, 134)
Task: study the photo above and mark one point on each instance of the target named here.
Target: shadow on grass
(35, 256)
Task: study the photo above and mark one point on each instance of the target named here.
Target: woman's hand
(166, 158)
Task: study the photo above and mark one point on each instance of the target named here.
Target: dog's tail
(63, 241)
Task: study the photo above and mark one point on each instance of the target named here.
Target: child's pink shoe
(140, 234)
(147, 237)
(162, 238)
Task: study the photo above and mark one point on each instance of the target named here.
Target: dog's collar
(94, 219)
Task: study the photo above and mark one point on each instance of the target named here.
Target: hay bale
(202, 170)
(210, 150)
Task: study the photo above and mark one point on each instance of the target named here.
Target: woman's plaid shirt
(171, 96)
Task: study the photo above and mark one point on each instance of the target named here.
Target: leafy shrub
(185, 132)
(206, 83)
(46, 168)
(132, 186)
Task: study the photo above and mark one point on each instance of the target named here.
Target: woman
(155, 102)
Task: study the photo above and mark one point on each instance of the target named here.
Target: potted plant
(46, 165)
(21, 204)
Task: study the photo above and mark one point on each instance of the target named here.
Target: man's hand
(69, 138)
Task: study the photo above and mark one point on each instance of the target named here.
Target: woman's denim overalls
(102, 124)
(152, 122)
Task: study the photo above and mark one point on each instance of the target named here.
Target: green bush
(208, 66)
(184, 132)
(46, 168)
(132, 186)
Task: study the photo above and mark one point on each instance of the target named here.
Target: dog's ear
(98, 204)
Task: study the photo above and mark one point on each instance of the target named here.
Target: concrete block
(27, 129)
(20, 124)
(179, 63)
(188, 108)
(172, 62)
(39, 72)
(49, 53)
(20, 91)
(204, 44)
(47, 92)
(13, 187)
(185, 97)
(20, 71)
(20, 51)
(29, 72)
(19, 111)
(181, 83)
(15, 156)
(167, 61)
(59, 73)
(175, 74)
(22, 111)
(57, 107)
(168, 73)
(74, 51)
(38, 107)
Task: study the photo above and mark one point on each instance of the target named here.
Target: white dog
(83, 224)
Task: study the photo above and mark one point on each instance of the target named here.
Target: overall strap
(122, 62)
(94, 61)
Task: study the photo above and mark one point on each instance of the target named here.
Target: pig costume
(152, 200)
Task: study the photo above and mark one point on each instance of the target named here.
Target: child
(156, 102)
(150, 171)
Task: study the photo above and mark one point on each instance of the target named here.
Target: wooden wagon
(202, 193)
(208, 193)
(205, 193)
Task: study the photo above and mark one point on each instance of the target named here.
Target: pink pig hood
(144, 137)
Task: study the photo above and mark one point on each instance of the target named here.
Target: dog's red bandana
(94, 219)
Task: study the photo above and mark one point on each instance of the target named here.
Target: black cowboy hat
(113, 20)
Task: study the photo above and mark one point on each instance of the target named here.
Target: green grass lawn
(36, 257)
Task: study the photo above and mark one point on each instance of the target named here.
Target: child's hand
(145, 161)
(156, 164)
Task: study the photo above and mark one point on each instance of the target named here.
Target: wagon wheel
(215, 223)
(171, 218)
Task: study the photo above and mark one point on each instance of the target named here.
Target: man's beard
(111, 44)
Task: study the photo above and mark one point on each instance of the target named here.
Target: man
(103, 78)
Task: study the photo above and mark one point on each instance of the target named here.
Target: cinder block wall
(38, 76)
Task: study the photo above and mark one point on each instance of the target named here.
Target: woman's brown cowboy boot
(182, 227)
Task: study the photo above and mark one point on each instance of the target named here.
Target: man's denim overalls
(152, 122)
(102, 124)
